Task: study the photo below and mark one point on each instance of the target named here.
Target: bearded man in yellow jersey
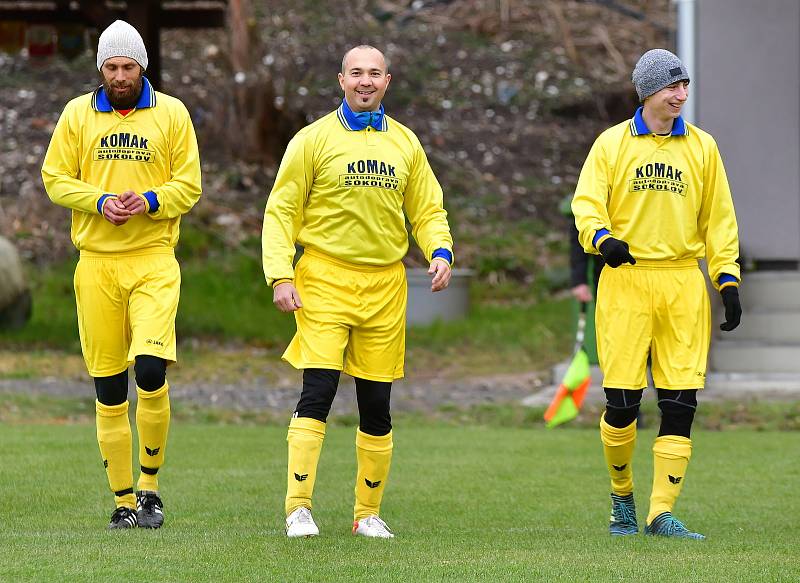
(340, 193)
(124, 158)
(652, 199)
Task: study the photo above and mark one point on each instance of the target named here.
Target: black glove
(733, 308)
(615, 252)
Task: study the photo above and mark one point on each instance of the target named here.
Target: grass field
(467, 504)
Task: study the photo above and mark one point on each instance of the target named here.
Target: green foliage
(467, 504)
(528, 253)
(524, 326)
(224, 298)
(499, 338)
(54, 322)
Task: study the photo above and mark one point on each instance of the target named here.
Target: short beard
(126, 102)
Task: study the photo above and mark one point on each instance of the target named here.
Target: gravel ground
(408, 395)
(532, 389)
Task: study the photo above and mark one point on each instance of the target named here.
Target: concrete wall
(425, 306)
(748, 97)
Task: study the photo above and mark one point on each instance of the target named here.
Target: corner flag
(571, 392)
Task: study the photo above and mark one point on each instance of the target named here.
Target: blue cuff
(443, 253)
(725, 278)
(600, 233)
(152, 201)
(101, 201)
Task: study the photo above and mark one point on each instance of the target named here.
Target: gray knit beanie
(655, 70)
(120, 39)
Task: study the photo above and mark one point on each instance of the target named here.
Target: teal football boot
(667, 525)
(623, 516)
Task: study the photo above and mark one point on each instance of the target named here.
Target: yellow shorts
(126, 307)
(353, 318)
(656, 309)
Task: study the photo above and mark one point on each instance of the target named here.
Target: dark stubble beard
(127, 101)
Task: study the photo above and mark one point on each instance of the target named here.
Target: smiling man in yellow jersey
(652, 199)
(124, 158)
(340, 193)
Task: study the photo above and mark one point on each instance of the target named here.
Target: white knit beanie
(120, 39)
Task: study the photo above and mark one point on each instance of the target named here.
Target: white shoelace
(304, 516)
(381, 525)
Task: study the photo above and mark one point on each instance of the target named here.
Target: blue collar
(639, 128)
(100, 100)
(355, 122)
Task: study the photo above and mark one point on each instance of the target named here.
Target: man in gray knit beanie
(653, 199)
(656, 69)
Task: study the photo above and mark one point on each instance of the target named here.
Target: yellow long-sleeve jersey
(666, 196)
(96, 152)
(342, 192)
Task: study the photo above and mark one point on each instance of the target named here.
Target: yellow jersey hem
(662, 264)
(363, 267)
(160, 250)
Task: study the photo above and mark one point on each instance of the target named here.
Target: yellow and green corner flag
(571, 392)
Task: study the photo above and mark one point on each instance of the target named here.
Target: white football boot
(300, 523)
(372, 527)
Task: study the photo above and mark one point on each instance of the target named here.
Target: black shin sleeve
(677, 411)
(151, 372)
(112, 390)
(373, 406)
(622, 406)
(319, 389)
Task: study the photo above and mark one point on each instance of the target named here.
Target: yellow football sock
(152, 423)
(374, 456)
(671, 455)
(114, 438)
(618, 446)
(305, 439)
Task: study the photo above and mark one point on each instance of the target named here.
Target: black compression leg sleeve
(151, 372)
(319, 389)
(373, 406)
(622, 406)
(112, 390)
(677, 411)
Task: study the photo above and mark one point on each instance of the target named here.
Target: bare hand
(441, 272)
(582, 293)
(286, 298)
(115, 212)
(133, 202)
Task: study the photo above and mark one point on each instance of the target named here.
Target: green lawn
(471, 503)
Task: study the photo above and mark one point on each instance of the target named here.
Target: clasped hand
(117, 210)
